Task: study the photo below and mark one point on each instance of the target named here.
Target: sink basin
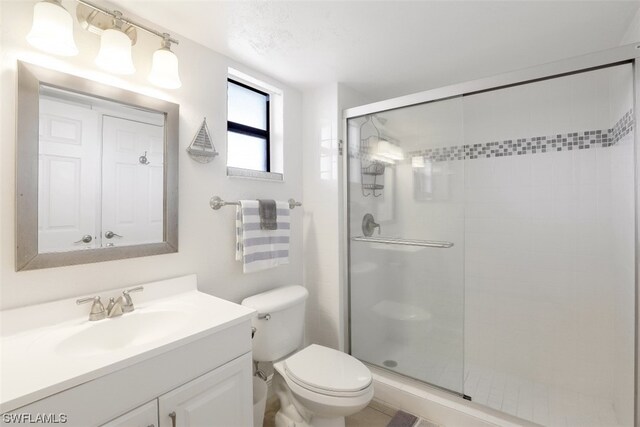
(130, 330)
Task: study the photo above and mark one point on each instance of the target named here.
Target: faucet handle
(97, 309)
(128, 302)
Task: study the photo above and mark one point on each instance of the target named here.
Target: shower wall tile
(525, 146)
(520, 144)
(537, 232)
(622, 249)
(555, 105)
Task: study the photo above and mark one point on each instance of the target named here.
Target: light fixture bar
(127, 21)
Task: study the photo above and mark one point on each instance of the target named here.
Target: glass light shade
(164, 69)
(52, 29)
(115, 52)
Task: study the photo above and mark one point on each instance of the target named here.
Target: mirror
(96, 172)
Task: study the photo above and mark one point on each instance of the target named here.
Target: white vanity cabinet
(216, 399)
(206, 383)
(144, 416)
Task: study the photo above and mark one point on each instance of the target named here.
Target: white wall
(632, 34)
(321, 222)
(206, 236)
(322, 166)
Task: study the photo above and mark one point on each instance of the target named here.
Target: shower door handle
(405, 242)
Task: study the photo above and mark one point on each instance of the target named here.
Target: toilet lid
(327, 369)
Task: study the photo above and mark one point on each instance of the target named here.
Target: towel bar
(216, 203)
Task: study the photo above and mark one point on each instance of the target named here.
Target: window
(248, 123)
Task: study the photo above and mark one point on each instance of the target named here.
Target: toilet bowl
(317, 386)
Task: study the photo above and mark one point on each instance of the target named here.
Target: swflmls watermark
(28, 418)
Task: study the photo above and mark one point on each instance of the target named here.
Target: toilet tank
(282, 333)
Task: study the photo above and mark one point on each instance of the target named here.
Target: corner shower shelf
(374, 169)
(372, 186)
(370, 169)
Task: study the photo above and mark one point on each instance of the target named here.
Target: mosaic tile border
(538, 144)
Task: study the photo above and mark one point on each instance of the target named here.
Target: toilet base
(291, 412)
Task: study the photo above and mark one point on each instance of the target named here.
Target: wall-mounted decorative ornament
(201, 149)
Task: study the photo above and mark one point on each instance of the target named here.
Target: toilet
(317, 386)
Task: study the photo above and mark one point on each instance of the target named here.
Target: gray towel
(268, 214)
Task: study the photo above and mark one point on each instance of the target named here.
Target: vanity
(179, 358)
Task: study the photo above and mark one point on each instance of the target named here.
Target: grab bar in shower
(405, 242)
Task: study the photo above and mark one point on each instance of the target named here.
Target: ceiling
(390, 48)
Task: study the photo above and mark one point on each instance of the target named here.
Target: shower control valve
(369, 224)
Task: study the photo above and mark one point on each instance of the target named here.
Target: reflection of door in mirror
(68, 178)
(132, 159)
(101, 173)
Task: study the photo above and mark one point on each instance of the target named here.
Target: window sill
(254, 174)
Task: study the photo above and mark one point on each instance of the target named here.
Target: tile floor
(368, 417)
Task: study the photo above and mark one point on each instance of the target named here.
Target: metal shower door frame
(624, 54)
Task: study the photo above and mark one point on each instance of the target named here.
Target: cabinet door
(143, 416)
(222, 398)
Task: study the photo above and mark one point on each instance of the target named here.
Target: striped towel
(261, 249)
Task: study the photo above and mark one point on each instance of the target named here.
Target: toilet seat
(327, 371)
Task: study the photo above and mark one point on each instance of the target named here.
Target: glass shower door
(406, 210)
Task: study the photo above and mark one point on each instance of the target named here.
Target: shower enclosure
(492, 243)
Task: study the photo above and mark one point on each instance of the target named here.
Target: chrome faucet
(127, 306)
(97, 309)
(114, 309)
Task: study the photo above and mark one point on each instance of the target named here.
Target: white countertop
(31, 368)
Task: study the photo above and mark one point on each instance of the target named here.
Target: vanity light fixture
(164, 69)
(52, 29)
(52, 32)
